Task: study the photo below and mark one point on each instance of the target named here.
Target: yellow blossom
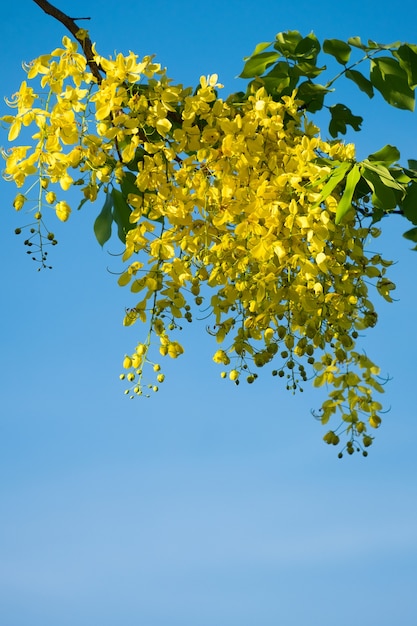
(214, 202)
(63, 211)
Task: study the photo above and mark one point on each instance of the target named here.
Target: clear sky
(208, 504)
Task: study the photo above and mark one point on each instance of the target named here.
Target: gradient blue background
(207, 505)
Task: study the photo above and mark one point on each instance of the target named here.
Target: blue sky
(208, 504)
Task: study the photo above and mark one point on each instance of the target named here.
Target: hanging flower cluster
(219, 205)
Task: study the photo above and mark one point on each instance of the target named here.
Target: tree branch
(69, 23)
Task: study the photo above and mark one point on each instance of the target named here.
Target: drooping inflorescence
(218, 202)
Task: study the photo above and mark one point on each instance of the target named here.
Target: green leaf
(333, 180)
(363, 83)
(103, 222)
(259, 48)
(411, 234)
(412, 164)
(407, 57)
(310, 70)
(133, 164)
(388, 154)
(236, 98)
(128, 185)
(280, 70)
(383, 195)
(383, 173)
(277, 88)
(287, 42)
(392, 82)
(256, 65)
(345, 202)
(337, 48)
(403, 176)
(278, 81)
(374, 45)
(409, 204)
(341, 117)
(121, 214)
(356, 42)
(152, 135)
(312, 95)
(308, 48)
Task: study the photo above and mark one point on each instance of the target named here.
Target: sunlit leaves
(337, 48)
(332, 179)
(345, 203)
(356, 42)
(258, 63)
(395, 76)
(407, 57)
(361, 81)
(286, 43)
(391, 81)
(382, 184)
(387, 155)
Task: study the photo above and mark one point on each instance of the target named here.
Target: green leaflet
(337, 48)
(308, 69)
(411, 235)
(259, 48)
(257, 64)
(103, 222)
(383, 186)
(356, 42)
(312, 95)
(286, 43)
(383, 173)
(115, 209)
(308, 48)
(139, 154)
(281, 80)
(363, 83)
(374, 45)
(345, 203)
(409, 204)
(392, 82)
(292, 45)
(121, 214)
(388, 154)
(128, 185)
(407, 57)
(341, 118)
(333, 180)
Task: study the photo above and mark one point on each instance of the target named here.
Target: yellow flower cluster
(224, 201)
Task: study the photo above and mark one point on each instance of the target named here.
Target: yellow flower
(66, 181)
(19, 201)
(234, 375)
(63, 211)
(218, 197)
(221, 357)
(210, 81)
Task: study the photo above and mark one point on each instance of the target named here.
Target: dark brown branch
(69, 23)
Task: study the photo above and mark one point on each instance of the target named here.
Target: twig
(69, 23)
